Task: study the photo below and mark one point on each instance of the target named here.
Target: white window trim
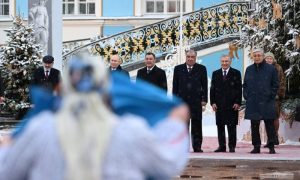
(76, 9)
(11, 12)
(144, 8)
(9, 8)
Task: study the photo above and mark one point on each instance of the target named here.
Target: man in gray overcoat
(260, 89)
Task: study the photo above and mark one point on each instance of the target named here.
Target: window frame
(2, 5)
(87, 5)
(66, 3)
(165, 8)
(77, 5)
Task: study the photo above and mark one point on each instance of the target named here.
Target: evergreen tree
(274, 26)
(19, 58)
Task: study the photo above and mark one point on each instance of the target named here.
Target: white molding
(57, 27)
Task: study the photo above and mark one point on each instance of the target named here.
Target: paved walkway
(285, 164)
(283, 152)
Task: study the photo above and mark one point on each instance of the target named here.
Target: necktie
(148, 71)
(47, 74)
(189, 69)
(224, 75)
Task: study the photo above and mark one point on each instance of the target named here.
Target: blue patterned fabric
(142, 99)
(42, 100)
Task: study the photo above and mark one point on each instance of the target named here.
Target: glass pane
(91, 7)
(6, 10)
(171, 6)
(178, 6)
(82, 0)
(82, 9)
(64, 9)
(160, 6)
(149, 6)
(71, 9)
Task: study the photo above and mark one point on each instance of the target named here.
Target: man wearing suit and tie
(115, 65)
(152, 74)
(225, 99)
(46, 76)
(190, 83)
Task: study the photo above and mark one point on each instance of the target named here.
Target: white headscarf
(84, 121)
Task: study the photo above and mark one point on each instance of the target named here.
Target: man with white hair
(260, 89)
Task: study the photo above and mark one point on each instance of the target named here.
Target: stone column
(46, 17)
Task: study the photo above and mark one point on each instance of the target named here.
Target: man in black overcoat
(115, 65)
(190, 83)
(152, 74)
(46, 76)
(260, 89)
(225, 99)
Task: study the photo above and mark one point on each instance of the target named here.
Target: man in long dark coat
(260, 89)
(225, 99)
(152, 74)
(190, 83)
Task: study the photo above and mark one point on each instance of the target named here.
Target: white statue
(38, 15)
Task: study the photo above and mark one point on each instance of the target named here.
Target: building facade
(90, 18)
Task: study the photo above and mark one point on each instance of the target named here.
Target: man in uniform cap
(47, 76)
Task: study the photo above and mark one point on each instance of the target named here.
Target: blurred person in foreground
(260, 89)
(85, 140)
(270, 59)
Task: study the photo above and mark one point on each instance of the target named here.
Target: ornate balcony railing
(199, 28)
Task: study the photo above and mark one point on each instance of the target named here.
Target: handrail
(200, 26)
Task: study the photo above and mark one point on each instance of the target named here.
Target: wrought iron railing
(199, 28)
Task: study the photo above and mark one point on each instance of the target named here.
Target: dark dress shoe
(198, 150)
(220, 149)
(232, 150)
(272, 151)
(256, 150)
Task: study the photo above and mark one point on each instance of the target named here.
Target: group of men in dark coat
(190, 83)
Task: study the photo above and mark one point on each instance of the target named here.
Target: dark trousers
(231, 129)
(269, 124)
(196, 130)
